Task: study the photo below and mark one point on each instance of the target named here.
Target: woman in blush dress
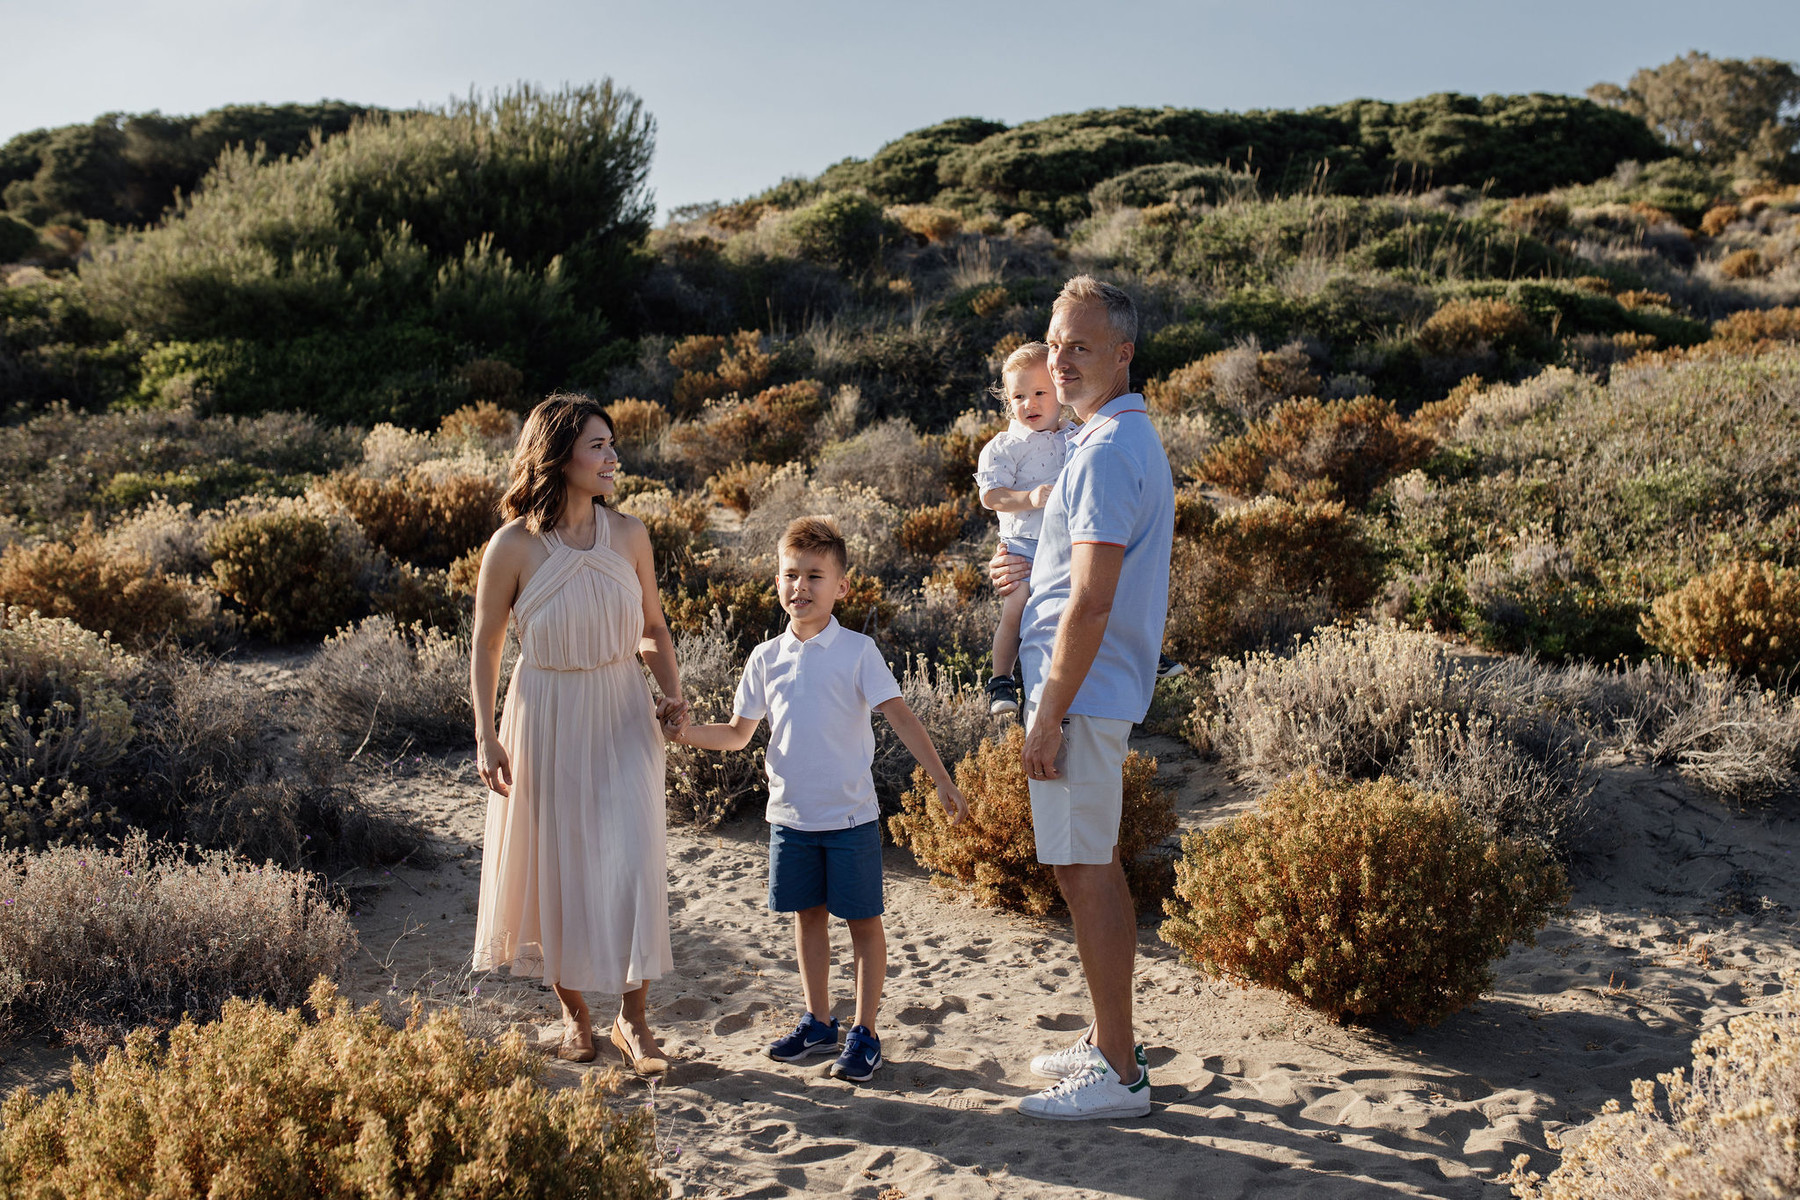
(574, 887)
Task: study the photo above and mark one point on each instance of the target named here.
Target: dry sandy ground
(1684, 914)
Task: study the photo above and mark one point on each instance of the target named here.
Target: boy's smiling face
(809, 583)
(1031, 395)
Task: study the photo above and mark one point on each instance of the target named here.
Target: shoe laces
(1068, 1085)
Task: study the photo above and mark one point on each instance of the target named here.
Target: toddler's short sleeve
(1102, 494)
(752, 699)
(995, 466)
(876, 682)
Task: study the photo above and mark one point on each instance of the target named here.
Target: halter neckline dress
(574, 882)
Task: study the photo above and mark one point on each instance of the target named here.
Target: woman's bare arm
(503, 564)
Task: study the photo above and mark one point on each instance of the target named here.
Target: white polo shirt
(818, 696)
(1021, 458)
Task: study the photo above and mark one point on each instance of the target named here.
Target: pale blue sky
(744, 94)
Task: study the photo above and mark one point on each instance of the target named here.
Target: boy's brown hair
(815, 535)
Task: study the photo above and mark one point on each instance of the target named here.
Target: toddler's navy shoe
(1168, 668)
(861, 1056)
(811, 1036)
(1003, 695)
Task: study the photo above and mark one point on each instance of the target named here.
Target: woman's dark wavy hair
(536, 488)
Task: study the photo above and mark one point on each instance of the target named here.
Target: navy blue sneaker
(861, 1056)
(811, 1036)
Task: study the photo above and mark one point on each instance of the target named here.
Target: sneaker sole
(1087, 1116)
(1001, 708)
(1172, 672)
(810, 1052)
(837, 1073)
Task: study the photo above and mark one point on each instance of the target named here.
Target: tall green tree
(1731, 112)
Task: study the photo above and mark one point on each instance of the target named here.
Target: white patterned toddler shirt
(1020, 457)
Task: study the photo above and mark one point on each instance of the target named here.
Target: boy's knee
(866, 927)
(816, 915)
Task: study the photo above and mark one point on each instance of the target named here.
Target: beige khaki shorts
(1076, 816)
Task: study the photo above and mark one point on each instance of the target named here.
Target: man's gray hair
(1120, 311)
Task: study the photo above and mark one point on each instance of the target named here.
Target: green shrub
(17, 239)
(1745, 616)
(1726, 1127)
(993, 855)
(1361, 900)
(292, 572)
(364, 1109)
(97, 941)
(841, 230)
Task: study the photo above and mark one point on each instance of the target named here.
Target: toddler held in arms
(1014, 476)
(817, 684)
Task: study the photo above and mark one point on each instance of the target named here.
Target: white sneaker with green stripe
(1091, 1094)
(1075, 1058)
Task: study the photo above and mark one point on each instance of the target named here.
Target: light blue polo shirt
(1116, 488)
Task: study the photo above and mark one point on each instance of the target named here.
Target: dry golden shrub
(1535, 214)
(635, 421)
(98, 941)
(104, 588)
(1359, 899)
(929, 531)
(714, 367)
(1260, 573)
(465, 572)
(1725, 1128)
(294, 572)
(927, 221)
(1744, 264)
(418, 516)
(1638, 298)
(1437, 418)
(1464, 326)
(1759, 324)
(865, 606)
(1599, 285)
(1318, 448)
(677, 526)
(960, 447)
(1005, 346)
(990, 300)
(773, 426)
(480, 422)
(741, 486)
(1244, 379)
(1713, 223)
(1743, 615)
(749, 607)
(268, 1102)
(965, 581)
(993, 854)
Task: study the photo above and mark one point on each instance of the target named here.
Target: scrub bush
(1724, 1128)
(637, 422)
(677, 527)
(1731, 737)
(1263, 572)
(1743, 264)
(1742, 615)
(954, 714)
(293, 572)
(929, 531)
(774, 426)
(1760, 324)
(1366, 899)
(890, 457)
(1312, 448)
(1378, 701)
(382, 684)
(706, 788)
(484, 422)
(993, 855)
(105, 588)
(748, 606)
(94, 942)
(418, 516)
(1464, 326)
(714, 367)
(741, 486)
(334, 1102)
(1244, 380)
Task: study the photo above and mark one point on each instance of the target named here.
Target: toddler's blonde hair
(1018, 360)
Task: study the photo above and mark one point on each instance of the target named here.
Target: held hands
(673, 715)
(494, 767)
(1007, 571)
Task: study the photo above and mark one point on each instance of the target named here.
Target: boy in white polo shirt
(817, 684)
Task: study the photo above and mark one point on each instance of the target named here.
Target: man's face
(1088, 362)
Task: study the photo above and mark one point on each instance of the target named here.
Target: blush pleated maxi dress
(574, 884)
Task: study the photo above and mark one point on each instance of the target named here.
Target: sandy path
(1684, 914)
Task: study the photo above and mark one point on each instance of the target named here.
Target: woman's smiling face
(594, 465)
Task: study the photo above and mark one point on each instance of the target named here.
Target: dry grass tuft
(334, 1102)
(1359, 899)
(993, 855)
(704, 787)
(94, 942)
(1726, 1128)
(385, 685)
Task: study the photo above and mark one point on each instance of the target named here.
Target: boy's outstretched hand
(954, 804)
(674, 716)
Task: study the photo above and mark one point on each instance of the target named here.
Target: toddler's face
(1031, 395)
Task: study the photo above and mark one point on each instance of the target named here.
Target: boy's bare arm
(1014, 499)
(918, 743)
(734, 734)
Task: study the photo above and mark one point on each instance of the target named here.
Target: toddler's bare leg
(812, 949)
(868, 941)
(1006, 634)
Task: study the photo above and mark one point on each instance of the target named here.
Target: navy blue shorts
(839, 868)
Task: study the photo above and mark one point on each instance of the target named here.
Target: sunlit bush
(1742, 615)
(293, 572)
(1363, 899)
(774, 426)
(106, 588)
(993, 855)
(1462, 326)
(1315, 449)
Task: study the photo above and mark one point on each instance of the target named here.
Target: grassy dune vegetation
(1521, 370)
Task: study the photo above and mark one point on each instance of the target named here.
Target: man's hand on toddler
(1007, 571)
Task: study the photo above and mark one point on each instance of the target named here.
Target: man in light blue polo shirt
(1089, 643)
